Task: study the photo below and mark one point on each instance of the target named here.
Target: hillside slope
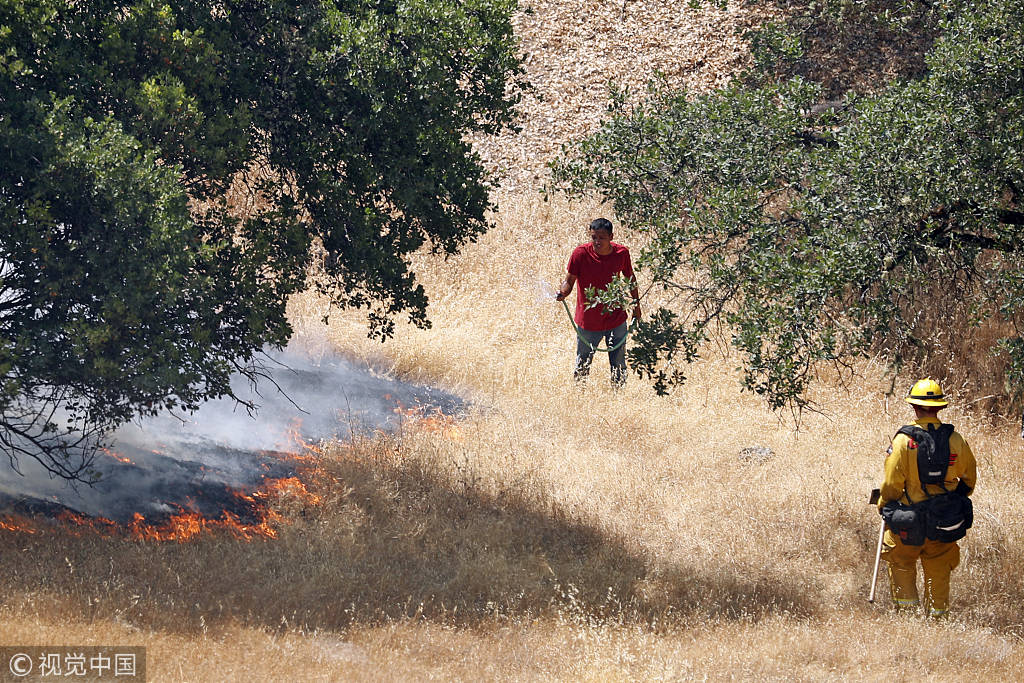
(575, 48)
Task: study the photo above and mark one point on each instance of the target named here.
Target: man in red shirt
(594, 265)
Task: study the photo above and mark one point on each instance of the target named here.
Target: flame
(117, 456)
(18, 525)
(188, 524)
(444, 426)
(437, 423)
(288, 486)
(295, 444)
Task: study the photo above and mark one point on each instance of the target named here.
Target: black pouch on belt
(948, 517)
(906, 521)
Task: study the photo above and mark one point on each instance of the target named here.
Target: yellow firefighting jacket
(902, 481)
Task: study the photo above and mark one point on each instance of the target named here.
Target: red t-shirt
(593, 270)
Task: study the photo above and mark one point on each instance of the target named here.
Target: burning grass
(246, 514)
(171, 480)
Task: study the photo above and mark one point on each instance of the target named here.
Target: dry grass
(558, 532)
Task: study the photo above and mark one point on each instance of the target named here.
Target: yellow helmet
(928, 393)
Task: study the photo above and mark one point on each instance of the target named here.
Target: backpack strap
(940, 438)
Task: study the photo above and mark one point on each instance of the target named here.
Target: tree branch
(1011, 217)
(980, 241)
(812, 139)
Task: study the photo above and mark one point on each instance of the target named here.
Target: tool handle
(878, 558)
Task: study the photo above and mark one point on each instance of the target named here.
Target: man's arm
(566, 287)
(970, 474)
(895, 478)
(634, 292)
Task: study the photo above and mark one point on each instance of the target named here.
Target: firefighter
(903, 485)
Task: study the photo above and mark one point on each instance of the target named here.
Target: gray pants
(617, 358)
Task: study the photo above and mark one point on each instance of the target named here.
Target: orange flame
(18, 525)
(187, 525)
(438, 423)
(117, 456)
(295, 444)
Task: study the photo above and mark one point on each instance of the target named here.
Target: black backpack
(932, 452)
(947, 516)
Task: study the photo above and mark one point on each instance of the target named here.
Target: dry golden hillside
(557, 531)
(575, 48)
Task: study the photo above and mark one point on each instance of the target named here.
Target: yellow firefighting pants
(937, 560)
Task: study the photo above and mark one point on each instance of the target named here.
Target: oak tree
(169, 169)
(814, 230)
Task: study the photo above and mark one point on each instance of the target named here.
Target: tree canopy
(814, 231)
(170, 168)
